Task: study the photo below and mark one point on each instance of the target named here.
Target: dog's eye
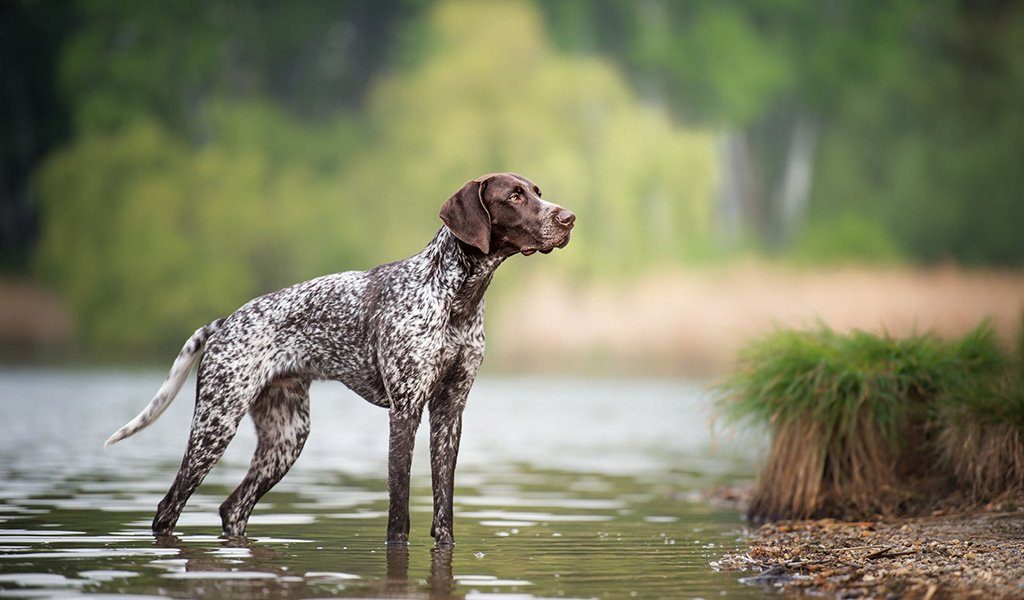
(514, 197)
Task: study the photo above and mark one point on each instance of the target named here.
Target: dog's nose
(565, 217)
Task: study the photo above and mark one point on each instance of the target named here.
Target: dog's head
(503, 214)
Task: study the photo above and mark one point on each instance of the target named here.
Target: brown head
(503, 214)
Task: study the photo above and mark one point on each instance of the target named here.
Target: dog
(405, 336)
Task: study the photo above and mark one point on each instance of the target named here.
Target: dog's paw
(234, 537)
(162, 527)
(443, 538)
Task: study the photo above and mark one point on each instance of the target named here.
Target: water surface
(566, 488)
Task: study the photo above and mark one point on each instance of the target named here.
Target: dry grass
(866, 474)
(797, 464)
(847, 415)
(987, 459)
(813, 473)
(863, 425)
(982, 435)
(30, 315)
(692, 322)
(681, 322)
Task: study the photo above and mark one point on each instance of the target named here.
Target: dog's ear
(465, 214)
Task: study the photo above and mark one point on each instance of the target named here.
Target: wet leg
(281, 416)
(401, 441)
(219, 408)
(445, 433)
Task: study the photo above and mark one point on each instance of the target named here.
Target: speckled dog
(404, 336)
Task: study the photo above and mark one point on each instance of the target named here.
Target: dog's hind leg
(281, 415)
(221, 401)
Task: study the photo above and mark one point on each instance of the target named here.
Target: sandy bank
(692, 321)
(687, 321)
(977, 555)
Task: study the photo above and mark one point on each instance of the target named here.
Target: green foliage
(737, 62)
(138, 60)
(920, 107)
(149, 236)
(34, 120)
(932, 149)
(641, 186)
(322, 135)
(981, 424)
(723, 65)
(166, 60)
(994, 391)
(863, 423)
(831, 377)
(845, 239)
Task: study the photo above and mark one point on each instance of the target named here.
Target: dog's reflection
(239, 557)
(440, 581)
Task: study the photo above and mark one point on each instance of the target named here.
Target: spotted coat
(406, 336)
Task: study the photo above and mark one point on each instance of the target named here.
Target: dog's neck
(461, 270)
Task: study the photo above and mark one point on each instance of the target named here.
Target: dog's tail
(188, 356)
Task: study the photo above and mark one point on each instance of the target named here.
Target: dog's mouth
(547, 249)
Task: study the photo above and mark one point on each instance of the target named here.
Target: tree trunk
(752, 163)
(740, 198)
(793, 193)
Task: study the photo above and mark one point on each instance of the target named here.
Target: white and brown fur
(405, 336)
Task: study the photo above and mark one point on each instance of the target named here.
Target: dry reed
(982, 436)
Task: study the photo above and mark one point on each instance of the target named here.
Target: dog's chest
(462, 338)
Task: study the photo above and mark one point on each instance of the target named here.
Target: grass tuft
(863, 424)
(981, 426)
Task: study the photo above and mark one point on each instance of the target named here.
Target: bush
(981, 426)
(864, 424)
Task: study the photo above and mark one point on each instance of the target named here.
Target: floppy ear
(465, 214)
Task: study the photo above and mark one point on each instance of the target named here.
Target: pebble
(974, 554)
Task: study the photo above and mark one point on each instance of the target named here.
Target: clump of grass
(852, 416)
(981, 423)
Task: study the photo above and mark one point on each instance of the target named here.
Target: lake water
(566, 488)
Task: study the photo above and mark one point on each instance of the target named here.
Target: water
(568, 488)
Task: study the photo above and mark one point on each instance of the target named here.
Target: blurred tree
(104, 64)
(936, 149)
(147, 237)
(165, 59)
(643, 186)
(767, 72)
(148, 234)
(909, 115)
(32, 121)
(220, 149)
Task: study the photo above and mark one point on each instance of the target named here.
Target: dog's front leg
(445, 433)
(446, 408)
(400, 447)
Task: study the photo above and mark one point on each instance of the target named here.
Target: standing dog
(405, 336)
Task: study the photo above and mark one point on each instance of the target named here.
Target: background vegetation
(863, 424)
(161, 163)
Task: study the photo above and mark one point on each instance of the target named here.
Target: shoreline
(976, 553)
